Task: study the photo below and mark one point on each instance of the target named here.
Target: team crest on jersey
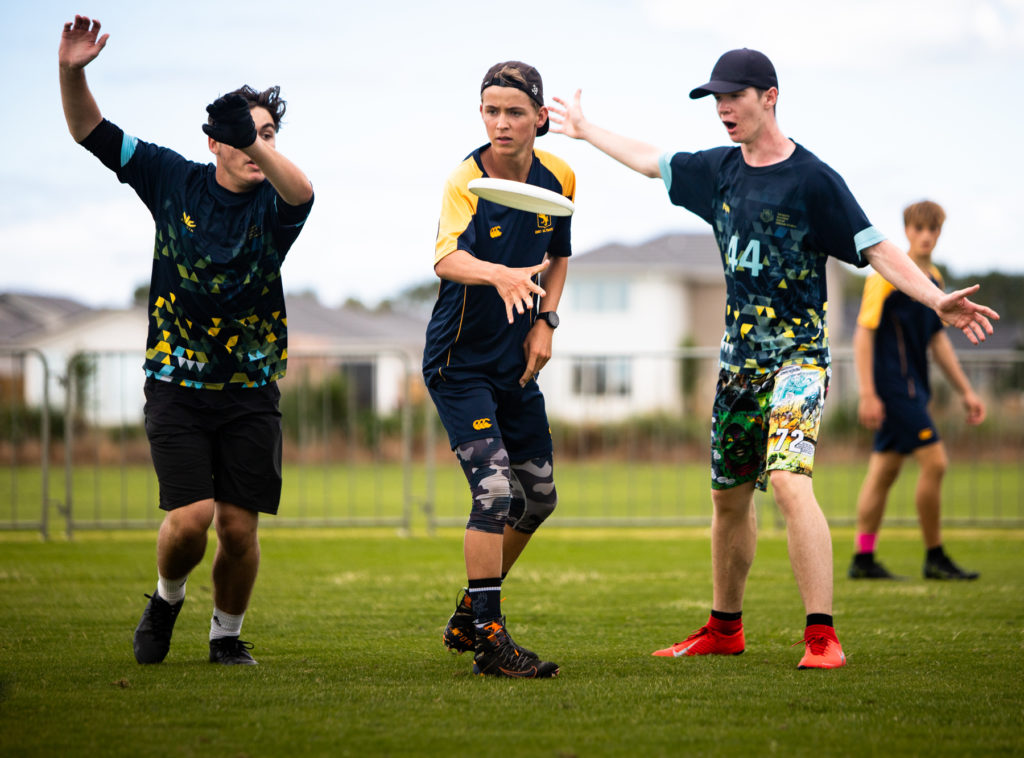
(543, 221)
(482, 423)
(188, 222)
(767, 215)
(495, 232)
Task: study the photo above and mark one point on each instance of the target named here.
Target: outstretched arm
(78, 47)
(515, 285)
(954, 309)
(568, 119)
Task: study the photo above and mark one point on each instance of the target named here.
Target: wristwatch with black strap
(549, 317)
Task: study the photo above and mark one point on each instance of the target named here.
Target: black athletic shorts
(220, 444)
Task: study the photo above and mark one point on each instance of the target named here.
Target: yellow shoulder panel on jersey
(934, 270)
(458, 205)
(563, 173)
(876, 290)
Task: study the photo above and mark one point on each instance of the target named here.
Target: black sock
(722, 616)
(935, 553)
(485, 597)
(822, 619)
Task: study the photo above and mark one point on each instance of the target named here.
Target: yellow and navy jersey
(775, 226)
(903, 330)
(216, 311)
(469, 333)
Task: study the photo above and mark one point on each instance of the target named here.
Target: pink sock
(866, 543)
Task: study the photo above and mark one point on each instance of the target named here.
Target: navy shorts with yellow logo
(907, 425)
(476, 409)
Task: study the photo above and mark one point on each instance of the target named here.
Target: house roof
(348, 325)
(692, 253)
(24, 316)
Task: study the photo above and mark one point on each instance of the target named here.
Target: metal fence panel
(363, 445)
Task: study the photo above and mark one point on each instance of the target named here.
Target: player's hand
(79, 45)
(517, 288)
(970, 318)
(232, 121)
(871, 411)
(974, 407)
(537, 348)
(567, 118)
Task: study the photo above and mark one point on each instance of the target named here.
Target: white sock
(225, 624)
(171, 590)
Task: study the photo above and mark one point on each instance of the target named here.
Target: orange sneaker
(823, 650)
(705, 641)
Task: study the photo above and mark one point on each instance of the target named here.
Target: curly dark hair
(270, 99)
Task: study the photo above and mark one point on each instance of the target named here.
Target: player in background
(777, 213)
(217, 339)
(891, 344)
(485, 344)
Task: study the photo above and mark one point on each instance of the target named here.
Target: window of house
(599, 295)
(602, 376)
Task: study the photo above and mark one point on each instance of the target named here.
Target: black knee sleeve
(533, 485)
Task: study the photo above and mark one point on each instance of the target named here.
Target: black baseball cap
(736, 70)
(532, 86)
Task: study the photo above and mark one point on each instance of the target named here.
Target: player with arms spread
(890, 349)
(485, 345)
(217, 339)
(777, 213)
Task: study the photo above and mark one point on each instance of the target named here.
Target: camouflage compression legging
(521, 495)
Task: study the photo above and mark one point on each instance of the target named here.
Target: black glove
(232, 121)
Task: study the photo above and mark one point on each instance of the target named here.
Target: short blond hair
(925, 214)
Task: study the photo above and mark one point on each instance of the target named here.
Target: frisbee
(522, 196)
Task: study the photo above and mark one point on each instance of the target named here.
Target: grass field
(974, 494)
(347, 624)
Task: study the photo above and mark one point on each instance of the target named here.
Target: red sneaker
(705, 641)
(823, 650)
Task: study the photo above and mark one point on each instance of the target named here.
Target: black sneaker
(868, 568)
(231, 651)
(944, 568)
(460, 634)
(498, 655)
(153, 634)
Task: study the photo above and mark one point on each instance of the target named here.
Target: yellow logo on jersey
(543, 221)
(482, 423)
(495, 232)
(925, 434)
(187, 220)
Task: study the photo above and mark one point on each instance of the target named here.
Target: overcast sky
(906, 99)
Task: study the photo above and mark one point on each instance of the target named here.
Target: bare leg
(483, 554)
(928, 497)
(513, 544)
(181, 542)
(808, 537)
(237, 560)
(733, 543)
(883, 468)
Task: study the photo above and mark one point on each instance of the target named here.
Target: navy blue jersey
(469, 334)
(216, 311)
(903, 329)
(775, 227)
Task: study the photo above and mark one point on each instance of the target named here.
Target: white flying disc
(522, 196)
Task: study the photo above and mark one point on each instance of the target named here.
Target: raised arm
(954, 309)
(568, 119)
(515, 285)
(78, 47)
(233, 125)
